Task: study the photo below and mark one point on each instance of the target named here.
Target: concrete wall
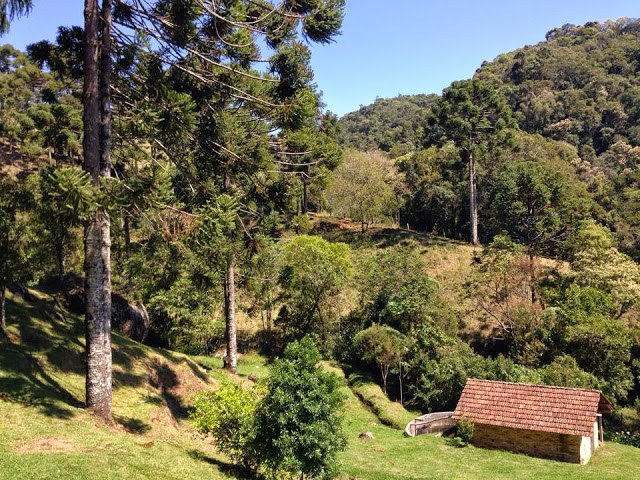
(438, 426)
(586, 449)
(567, 448)
(438, 423)
(589, 444)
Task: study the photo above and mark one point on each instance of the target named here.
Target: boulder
(131, 320)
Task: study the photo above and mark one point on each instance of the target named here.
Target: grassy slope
(373, 397)
(44, 432)
(390, 455)
(449, 262)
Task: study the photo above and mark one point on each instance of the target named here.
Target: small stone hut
(539, 420)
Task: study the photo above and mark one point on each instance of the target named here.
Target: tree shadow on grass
(227, 468)
(385, 237)
(388, 237)
(165, 379)
(195, 368)
(27, 383)
(42, 326)
(133, 425)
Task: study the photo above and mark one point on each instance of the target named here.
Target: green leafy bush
(298, 422)
(565, 372)
(627, 438)
(31, 149)
(292, 428)
(314, 271)
(464, 429)
(227, 414)
(302, 224)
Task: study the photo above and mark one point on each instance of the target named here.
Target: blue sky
(391, 47)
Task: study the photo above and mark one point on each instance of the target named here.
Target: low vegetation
(371, 395)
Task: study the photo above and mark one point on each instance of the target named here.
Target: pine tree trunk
(98, 315)
(126, 220)
(105, 90)
(269, 331)
(532, 276)
(97, 265)
(304, 195)
(91, 96)
(3, 297)
(473, 200)
(127, 234)
(231, 357)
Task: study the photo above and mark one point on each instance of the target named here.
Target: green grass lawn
(46, 434)
(372, 396)
(390, 455)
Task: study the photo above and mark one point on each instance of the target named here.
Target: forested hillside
(392, 125)
(575, 95)
(581, 87)
(184, 187)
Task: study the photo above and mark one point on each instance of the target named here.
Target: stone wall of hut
(567, 448)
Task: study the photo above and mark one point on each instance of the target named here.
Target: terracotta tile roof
(544, 408)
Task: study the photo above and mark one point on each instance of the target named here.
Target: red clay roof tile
(545, 408)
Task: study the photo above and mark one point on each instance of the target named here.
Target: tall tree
(97, 237)
(216, 238)
(313, 273)
(531, 204)
(212, 52)
(470, 113)
(362, 188)
(382, 345)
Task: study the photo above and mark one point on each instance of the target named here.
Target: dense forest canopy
(388, 123)
(578, 88)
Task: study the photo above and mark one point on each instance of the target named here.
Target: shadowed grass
(45, 431)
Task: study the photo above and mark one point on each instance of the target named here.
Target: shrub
(298, 422)
(302, 224)
(457, 442)
(565, 372)
(31, 149)
(293, 429)
(464, 430)
(627, 438)
(314, 272)
(227, 414)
